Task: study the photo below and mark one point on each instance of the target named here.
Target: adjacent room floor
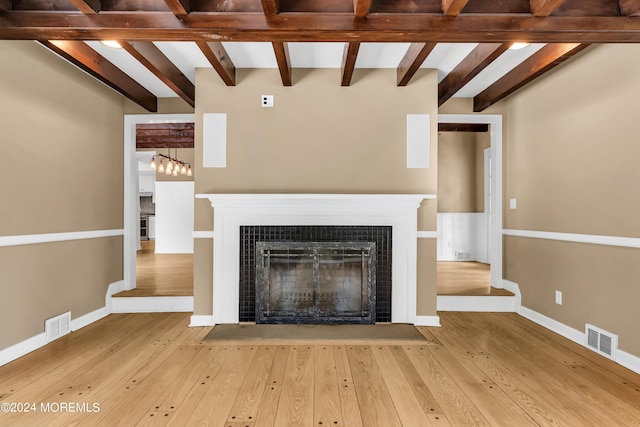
(466, 278)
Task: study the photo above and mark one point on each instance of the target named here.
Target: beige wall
(572, 162)
(319, 138)
(456, 172)
(62, 139)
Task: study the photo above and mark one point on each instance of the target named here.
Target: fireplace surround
(231, 211)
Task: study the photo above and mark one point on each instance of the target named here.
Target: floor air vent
(57, 326)
(601, 341)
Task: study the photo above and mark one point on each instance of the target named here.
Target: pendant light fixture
(174, 167)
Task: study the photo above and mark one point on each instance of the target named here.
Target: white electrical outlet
(512, 203)
(267, 100)
(559, 297)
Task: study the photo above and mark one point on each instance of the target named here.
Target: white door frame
(495, 129)
(130, 170)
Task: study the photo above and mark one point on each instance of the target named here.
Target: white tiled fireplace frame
(231, 211)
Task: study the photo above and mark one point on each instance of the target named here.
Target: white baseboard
(114, 288)
(623, 358)
(89, 318)
(151, 304)
(201, 320)
(427, 321)
(10, 354)
(486, 303)
(513, 287)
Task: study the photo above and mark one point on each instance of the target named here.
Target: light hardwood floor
(466, 279)
(161, 274)
(477, 369)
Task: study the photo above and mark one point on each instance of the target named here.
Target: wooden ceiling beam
(349, 57)
(270, 7)
(164, 135)
(453, 8)
(537, 64)
(412, 60)
(305, 27)
(281, 50)
(90, 61)
(156, 62)
(5, 5)
(179, 8)
(219, 59)
(361, 8)
(479, 58)
(544, 7)
(630, 7)
(463, 127)
(88, 7)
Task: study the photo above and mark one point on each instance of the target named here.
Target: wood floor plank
(453, 401)
(327, 409)
(405, 401)
(376, 405)
(245, 407)
(348, 397)
(224, 388)
(296, 400)
(268, 409)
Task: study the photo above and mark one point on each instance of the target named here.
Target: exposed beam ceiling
(156, 62)
(164, 135)
(539, 63)
(545, 7)
(88, 7)
(476, 61)
(178, 7)
(172, 37)
(292, 27)
(89, 60)
(349, 62)
(630, 7)
(413, 59)
(463, 127)
(219, 59)
(284, 64)
(453, 7)
(361, 8)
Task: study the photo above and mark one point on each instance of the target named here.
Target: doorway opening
(470, 205)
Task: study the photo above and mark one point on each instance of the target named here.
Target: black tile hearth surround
(249, 235)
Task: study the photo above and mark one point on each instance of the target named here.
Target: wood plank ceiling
(566, 26)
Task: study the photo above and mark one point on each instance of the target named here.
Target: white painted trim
(627, 242)
(427, 234)
(495, 129)
(131, 220)
(30, 239)
(628, 360)
(427, 321)
(513, 287)
(89, 318)
(623, 358)
(113, 289)
(203, 234)
(16, 351)
(152, 304)
(400, 211)
(201, 320)
(484, 303)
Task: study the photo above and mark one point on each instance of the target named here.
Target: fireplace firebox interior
(342, 274)
(315, 282)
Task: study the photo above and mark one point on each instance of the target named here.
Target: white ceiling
(187, 57)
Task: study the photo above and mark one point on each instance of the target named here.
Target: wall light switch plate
(512, 203)
(267, 100)
(559, 297)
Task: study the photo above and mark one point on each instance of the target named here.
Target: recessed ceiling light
(111, 43)
(518, 45)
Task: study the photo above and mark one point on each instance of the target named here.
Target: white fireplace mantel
(231, 211)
